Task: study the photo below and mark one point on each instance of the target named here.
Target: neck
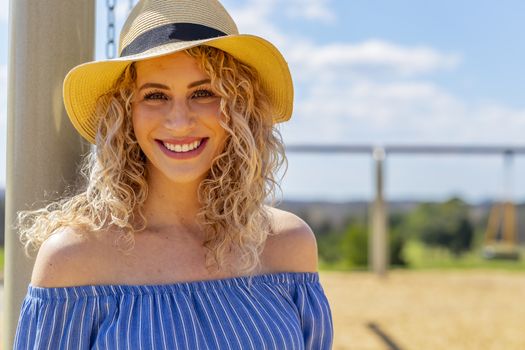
(171, 205)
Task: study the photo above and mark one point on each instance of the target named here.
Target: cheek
(212, 108)
(144, 116)
(140, 122)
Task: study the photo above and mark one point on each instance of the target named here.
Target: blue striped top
(285, 310)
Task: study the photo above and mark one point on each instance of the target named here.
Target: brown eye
(155, 95)
(202, 93)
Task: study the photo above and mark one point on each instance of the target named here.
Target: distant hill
(319, 213)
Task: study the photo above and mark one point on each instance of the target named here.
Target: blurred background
(398, 72)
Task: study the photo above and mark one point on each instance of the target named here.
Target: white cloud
(311, 62)
(368, 111)
(311, 10)
(375, 91)
(314, 10)
(308, 59)
(370, 57)
(255, 18)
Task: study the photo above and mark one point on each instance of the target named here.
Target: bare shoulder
(65, 258)
(292, 247)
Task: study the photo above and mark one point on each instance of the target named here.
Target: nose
(179, 117)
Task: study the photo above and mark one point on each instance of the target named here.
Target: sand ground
(429, 310)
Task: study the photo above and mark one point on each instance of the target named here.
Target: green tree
(397, 239)
(329, 247)
(354, 244)
(445, 225)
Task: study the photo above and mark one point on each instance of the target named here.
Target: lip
(185, 155)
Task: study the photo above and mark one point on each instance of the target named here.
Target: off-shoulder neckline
(282, 278)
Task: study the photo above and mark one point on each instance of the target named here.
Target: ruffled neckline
(282, 278)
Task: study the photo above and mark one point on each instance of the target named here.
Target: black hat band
(169, 33)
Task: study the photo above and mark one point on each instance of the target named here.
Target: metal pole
(508, 234)
(47, 38)
(378, 242)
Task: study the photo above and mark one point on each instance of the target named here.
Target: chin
(186, 177)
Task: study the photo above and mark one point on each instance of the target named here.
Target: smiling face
(176, 118)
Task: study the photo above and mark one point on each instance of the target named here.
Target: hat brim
(85, 83)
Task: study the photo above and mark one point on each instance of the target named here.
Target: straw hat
(160, 27)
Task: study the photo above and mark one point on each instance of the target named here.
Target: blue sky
(390, 71)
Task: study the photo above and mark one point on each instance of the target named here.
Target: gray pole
(47, 38)
(378, 241)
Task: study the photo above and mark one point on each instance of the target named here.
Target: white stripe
(162, 328)
(192, 320)
(284, 300)
(209, 319)
(73, 318)
(322, 323)
(31, 324)
(184, 333)
(128, 328)
(219, 318)
(327, 325)
(261, 317)
(241, 322)
(276, 312)
(44, 321)
(230, 321)
(140, 303)
(149, 298)
(82, 322)
(107, 328)
(278, 298)
(64, 322)
(175, 331)
(96, 319)
(307, 321)
(258, 313)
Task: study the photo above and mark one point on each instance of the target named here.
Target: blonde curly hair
(233, 195)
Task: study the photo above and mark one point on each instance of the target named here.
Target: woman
(170, 244)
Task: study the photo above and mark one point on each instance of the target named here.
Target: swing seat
(501, 251)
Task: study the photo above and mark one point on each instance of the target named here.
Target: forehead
(179, 64)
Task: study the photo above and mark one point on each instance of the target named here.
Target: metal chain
(111, 47)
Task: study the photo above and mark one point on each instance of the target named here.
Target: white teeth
(182, 148)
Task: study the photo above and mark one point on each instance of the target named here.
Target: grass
(420, 257)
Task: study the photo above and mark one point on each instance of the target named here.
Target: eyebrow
(164, 87)
(199, 82)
